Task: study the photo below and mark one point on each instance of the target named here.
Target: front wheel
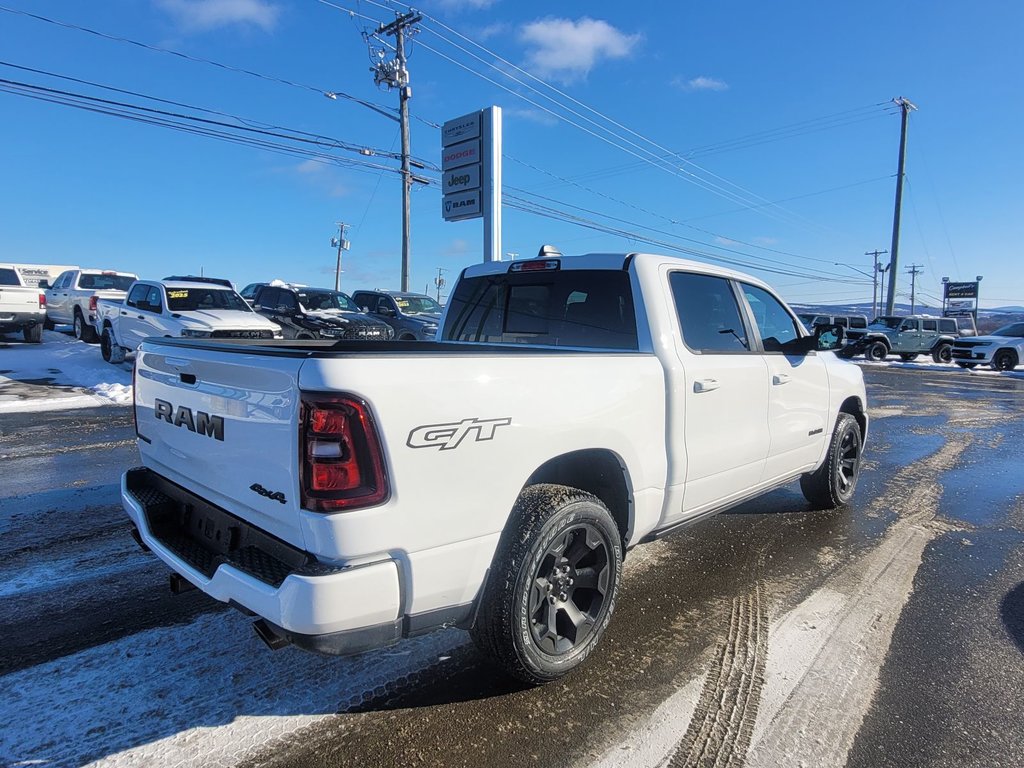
(943, 353)
(551, 589)
(832, 484)
(877, 351)
(1004, 360)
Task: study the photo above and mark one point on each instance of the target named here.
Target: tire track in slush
(719, 732)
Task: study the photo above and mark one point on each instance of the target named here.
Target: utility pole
(913, 270)
(874, 288)
(905, 107)
(396, 75)
(440, 282)
(342, 245)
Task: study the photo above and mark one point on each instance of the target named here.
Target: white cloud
(204, 15)
(701, 83)
(538, 116)
(567, 50)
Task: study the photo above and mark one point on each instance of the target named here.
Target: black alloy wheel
(570, 590)
(943, 353)
(848, 464)
(832, 484)
(877, 351)
(1004, 360)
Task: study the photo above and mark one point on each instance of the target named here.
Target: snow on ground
(62, 372)
(926, 364)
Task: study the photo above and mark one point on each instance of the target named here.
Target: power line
(332, 94)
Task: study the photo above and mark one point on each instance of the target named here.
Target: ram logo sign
(201, 422)
(448, 437)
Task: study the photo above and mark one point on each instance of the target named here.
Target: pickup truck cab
(317, 313)
(175, 309)
(72, 298)
(412, 316)
(22, 308)
(353, 493)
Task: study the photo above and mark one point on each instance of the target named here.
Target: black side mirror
(828, 337)
(44, 285)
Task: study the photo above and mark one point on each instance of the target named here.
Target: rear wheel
(112, 352)
(877, 351)
(551, 589)
(33, 335)
(942, 352)
(832, 484)
(1004, 360)
(48, 324)
(84, 331)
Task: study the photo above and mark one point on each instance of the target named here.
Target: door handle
(140, 317)
(780, 378)
(123, 312)
(705, 385)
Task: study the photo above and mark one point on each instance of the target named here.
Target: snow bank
(62, 372)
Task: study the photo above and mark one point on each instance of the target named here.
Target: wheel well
(854, 407)
(595, 471)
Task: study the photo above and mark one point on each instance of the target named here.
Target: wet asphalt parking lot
(890, 633)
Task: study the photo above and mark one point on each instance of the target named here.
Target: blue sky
(708, 82)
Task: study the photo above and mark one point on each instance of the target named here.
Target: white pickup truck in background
(73, 296)
(351, 494)
(22, 308)
(174, 309)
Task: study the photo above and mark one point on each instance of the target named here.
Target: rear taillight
(42, 301)
(342, 463)
(92, 303)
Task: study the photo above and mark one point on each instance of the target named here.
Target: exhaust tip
(269, 634)
(180, 584)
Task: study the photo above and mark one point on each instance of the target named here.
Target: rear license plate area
(214, 532)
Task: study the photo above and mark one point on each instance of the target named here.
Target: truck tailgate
(225, 427)
(14, 298)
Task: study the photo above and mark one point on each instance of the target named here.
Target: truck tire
(906, 357)
(877, 351)
(1004, 360)
(33, 334)
(84, 331)
(48, 324)
(832, 484)
(551, 589)
(942, 352)
(112, 352)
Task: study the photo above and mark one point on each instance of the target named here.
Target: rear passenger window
(948, 326)
(137, 296)
(774, 324)
(931, 325)
(8, 277)
(708, 313)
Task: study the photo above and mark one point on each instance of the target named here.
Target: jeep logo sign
(460, 180)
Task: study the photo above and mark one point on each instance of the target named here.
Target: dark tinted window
(858, 322)
(946, 326)
(62, 281)
(154, 301)
(138, 294)
(574, 308)
(841, 320)
(288, 302)
(267, 297)
(774, 323)
(8, 277)
(191, 299)
(105, 282)
(708, 313)
(317, 300)
(932, 325)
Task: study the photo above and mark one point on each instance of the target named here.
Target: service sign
(457, 155)
(961, 290)
(460, 179)
(461, 205)
(460, 129)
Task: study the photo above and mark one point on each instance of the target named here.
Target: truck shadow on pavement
(1012, 612)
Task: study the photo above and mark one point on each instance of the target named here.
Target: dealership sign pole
(471, 173)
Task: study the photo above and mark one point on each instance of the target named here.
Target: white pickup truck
(351, 494)
(22, 308)
(74, 295)
(173, 308)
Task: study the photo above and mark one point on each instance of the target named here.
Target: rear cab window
(9, 277)
(561, 308)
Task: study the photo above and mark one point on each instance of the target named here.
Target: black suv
(317, 313)
(413, 316)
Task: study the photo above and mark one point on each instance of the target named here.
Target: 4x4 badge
(450, 436)
(273, 495)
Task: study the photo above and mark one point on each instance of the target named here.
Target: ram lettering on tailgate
(201, 423)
